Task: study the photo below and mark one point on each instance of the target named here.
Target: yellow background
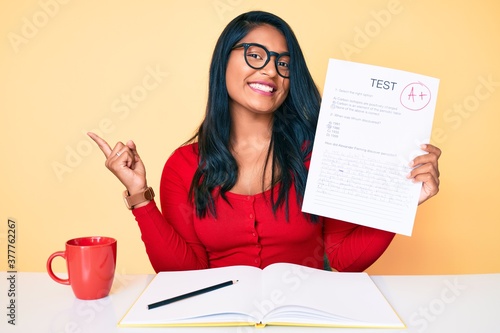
(67, 67)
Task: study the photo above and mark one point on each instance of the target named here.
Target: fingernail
(423, 146)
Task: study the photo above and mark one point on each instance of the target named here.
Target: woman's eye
(254, 55)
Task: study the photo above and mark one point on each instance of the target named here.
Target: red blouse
(245, 232)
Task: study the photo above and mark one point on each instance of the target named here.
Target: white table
(449, 303)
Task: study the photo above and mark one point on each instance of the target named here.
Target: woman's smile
(267, 88)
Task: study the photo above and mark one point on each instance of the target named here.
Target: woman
(233, 194)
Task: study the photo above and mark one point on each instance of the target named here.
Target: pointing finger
(103, 145)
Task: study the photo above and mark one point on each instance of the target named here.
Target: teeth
(262, 87)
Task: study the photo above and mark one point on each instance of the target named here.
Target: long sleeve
(353, 248)
(169, 236)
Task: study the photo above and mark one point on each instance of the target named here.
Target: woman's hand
(425, 170)
(124, 162)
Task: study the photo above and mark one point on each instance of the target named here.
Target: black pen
(191, 294)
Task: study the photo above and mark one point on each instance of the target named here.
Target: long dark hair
(293, 129)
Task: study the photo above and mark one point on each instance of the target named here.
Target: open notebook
(280, 294)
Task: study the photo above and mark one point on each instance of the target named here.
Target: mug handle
(49, 267)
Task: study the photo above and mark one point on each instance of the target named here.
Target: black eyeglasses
(257, 57)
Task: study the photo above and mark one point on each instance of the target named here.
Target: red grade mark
(415, 96)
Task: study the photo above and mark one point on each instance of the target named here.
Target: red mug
(91, 263)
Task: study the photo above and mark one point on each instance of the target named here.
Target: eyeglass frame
(269, 55)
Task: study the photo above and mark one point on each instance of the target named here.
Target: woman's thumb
(132, 146)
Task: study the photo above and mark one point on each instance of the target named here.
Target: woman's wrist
(142, 204)
(138, 198)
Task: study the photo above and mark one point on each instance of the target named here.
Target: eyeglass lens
(257, 57)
